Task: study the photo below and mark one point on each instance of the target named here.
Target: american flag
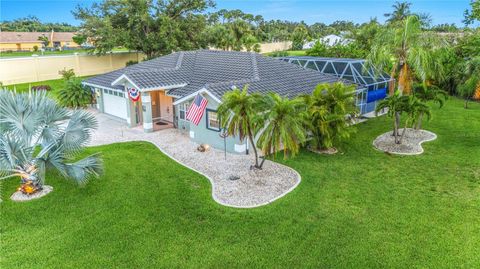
(196, 109)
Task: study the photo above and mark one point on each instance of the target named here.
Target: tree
(239, 115)
(300, 34)
(45, 40)
(408, 53)
(426, 94)
(80, 39)
(37, 135)
(152, 27)
(401, 10)
(329, 112)
(474, 14)
(414, 108)
(394, 105)
(282, 125)
(470, 79)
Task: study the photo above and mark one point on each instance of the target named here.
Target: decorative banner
(134, 94)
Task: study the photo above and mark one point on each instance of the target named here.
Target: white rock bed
(254, 188)
(411, 144)
(19, 196)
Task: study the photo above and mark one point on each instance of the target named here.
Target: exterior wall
(39, 68)
(200, 134)
(23, 46)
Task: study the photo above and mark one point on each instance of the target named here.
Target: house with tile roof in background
(29, 41)
(167, 85)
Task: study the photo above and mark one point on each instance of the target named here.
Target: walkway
(253, 188)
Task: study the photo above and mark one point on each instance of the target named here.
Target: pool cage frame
(373, 85)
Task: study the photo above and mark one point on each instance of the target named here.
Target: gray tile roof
(218, 71)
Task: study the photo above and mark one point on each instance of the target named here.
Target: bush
(75, 94)
(131, 62)
(35, 48)
(41, 88)
(67, 74)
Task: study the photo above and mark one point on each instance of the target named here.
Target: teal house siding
(202, 135)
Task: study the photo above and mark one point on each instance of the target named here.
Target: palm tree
(401, 10)
(239, 115)
(38, 134)
(428, 94)
(408, 53)
(413, 107)
(394, 104)
(283, 125)
(329, 109)
(471, 80)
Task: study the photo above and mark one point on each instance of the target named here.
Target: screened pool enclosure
(373, 84)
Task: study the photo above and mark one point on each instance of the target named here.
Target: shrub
(35, 48)
(75, 94)
(131, 62)
(67, 74)
(41, 88)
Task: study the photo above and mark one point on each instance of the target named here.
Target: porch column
(99, 96)
(147, 112)
(130, 112)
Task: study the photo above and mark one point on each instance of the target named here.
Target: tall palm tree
(401, 10)
(329, 109)
(239, 115)
(38, 134)
(283, 125)
(408, 53)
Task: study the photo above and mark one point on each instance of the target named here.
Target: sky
(310, 11)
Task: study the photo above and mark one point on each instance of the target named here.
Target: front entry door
(162, 108)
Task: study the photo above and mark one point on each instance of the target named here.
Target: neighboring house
(329, 40)
(168, 84)
(27, 41)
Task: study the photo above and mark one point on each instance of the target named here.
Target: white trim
(101, 87)
(164, 88)
(190, 96)
(124, 76)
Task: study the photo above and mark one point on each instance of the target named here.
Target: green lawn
(358, 209)
(48, 53)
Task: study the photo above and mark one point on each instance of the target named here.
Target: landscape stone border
(411, 144)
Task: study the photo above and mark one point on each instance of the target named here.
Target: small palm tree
(413, 107)
(283, 125)
(38, 134)
(329, 109)
(470, 87)
(428, 94)
(238, 114)
(394, 104)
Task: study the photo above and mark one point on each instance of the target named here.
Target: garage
(114, 103)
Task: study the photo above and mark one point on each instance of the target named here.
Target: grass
(358, 209)
(11, 54)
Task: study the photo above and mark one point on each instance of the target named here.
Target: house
(28, 41)
(157, 93)
(329, 41)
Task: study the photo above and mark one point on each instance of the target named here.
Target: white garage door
(114, 103)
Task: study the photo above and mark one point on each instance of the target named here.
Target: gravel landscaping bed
(411, 144)
(253, 188)
(19, 196)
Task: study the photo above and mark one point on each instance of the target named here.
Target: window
(182, 110)
(212, 120)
